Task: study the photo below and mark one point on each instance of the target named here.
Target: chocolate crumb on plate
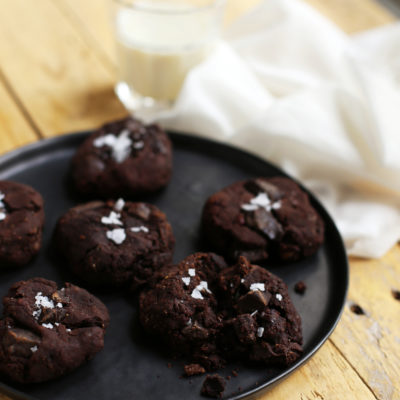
(300, 287)
(213, 386)
(194, 369)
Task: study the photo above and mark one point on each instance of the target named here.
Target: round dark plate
(133, 365)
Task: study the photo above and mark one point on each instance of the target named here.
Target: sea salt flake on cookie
(34, 349)
(279, 296)
(186, 280)
(120, 145)
(43, 301)
(191, 271)
(48, 326)
(112, 219)
(196, 294)
(138, 145)
(260, 331)
(116, 235)
(119, 204)
(258, 286)
(137, 229)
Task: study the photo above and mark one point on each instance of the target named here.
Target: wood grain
(15, 129)
(371, 342)
(58, 62)
(59, 79)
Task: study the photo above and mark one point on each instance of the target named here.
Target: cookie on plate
(261, 323)
(115, 243)
(123, 158)
(47, 332)
(180, 308)
(21, 223)
(261, 218)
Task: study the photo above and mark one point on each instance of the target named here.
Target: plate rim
(28, 150)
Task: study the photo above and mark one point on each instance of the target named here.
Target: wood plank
(60, 80)
(371, 342)
(326, 376)
(15, 130)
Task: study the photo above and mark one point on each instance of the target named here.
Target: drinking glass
(158, 43)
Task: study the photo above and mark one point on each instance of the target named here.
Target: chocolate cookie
(21, 223)
(263, 217)
(47, 332)
(180, 308)
(123, 158)
(261, 323)
(115, 243)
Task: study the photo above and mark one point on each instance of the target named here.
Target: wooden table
(57, 71)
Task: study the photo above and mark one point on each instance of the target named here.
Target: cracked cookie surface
(181, 308)
(115, 243)
(262, 218)
(47, 332)
(261, 323)
(122, 158)
(21, 223)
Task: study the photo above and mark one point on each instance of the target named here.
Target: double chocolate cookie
(115, 243)
(181, 308)
(47, 332)
(210, 312)
(21, 223)
(261, 323)
(261, 218)
(123, 158)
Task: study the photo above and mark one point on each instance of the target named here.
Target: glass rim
(156, 10)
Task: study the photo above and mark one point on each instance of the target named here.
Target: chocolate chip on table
(356, 309)
(300, 287)
(213, 386)
(396, 294)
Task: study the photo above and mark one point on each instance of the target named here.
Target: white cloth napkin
(288, 85)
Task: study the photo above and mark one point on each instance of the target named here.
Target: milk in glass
(159, 44)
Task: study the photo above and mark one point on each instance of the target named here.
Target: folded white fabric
(288, 85)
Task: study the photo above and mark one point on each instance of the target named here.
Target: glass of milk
(158, 43)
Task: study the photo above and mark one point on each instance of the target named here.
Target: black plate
(131, 366)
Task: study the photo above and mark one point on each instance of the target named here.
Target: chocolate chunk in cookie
(115, 243)
(261, 218)
(123, 158)
(47, 332)
(21, 223)
(261, 322)
(180, 308)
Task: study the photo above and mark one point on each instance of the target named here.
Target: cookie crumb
(169, 365)
(356, 309)
(300, 287)
(396, 294)
(193, 369)
(213, 386)
(235, 373)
